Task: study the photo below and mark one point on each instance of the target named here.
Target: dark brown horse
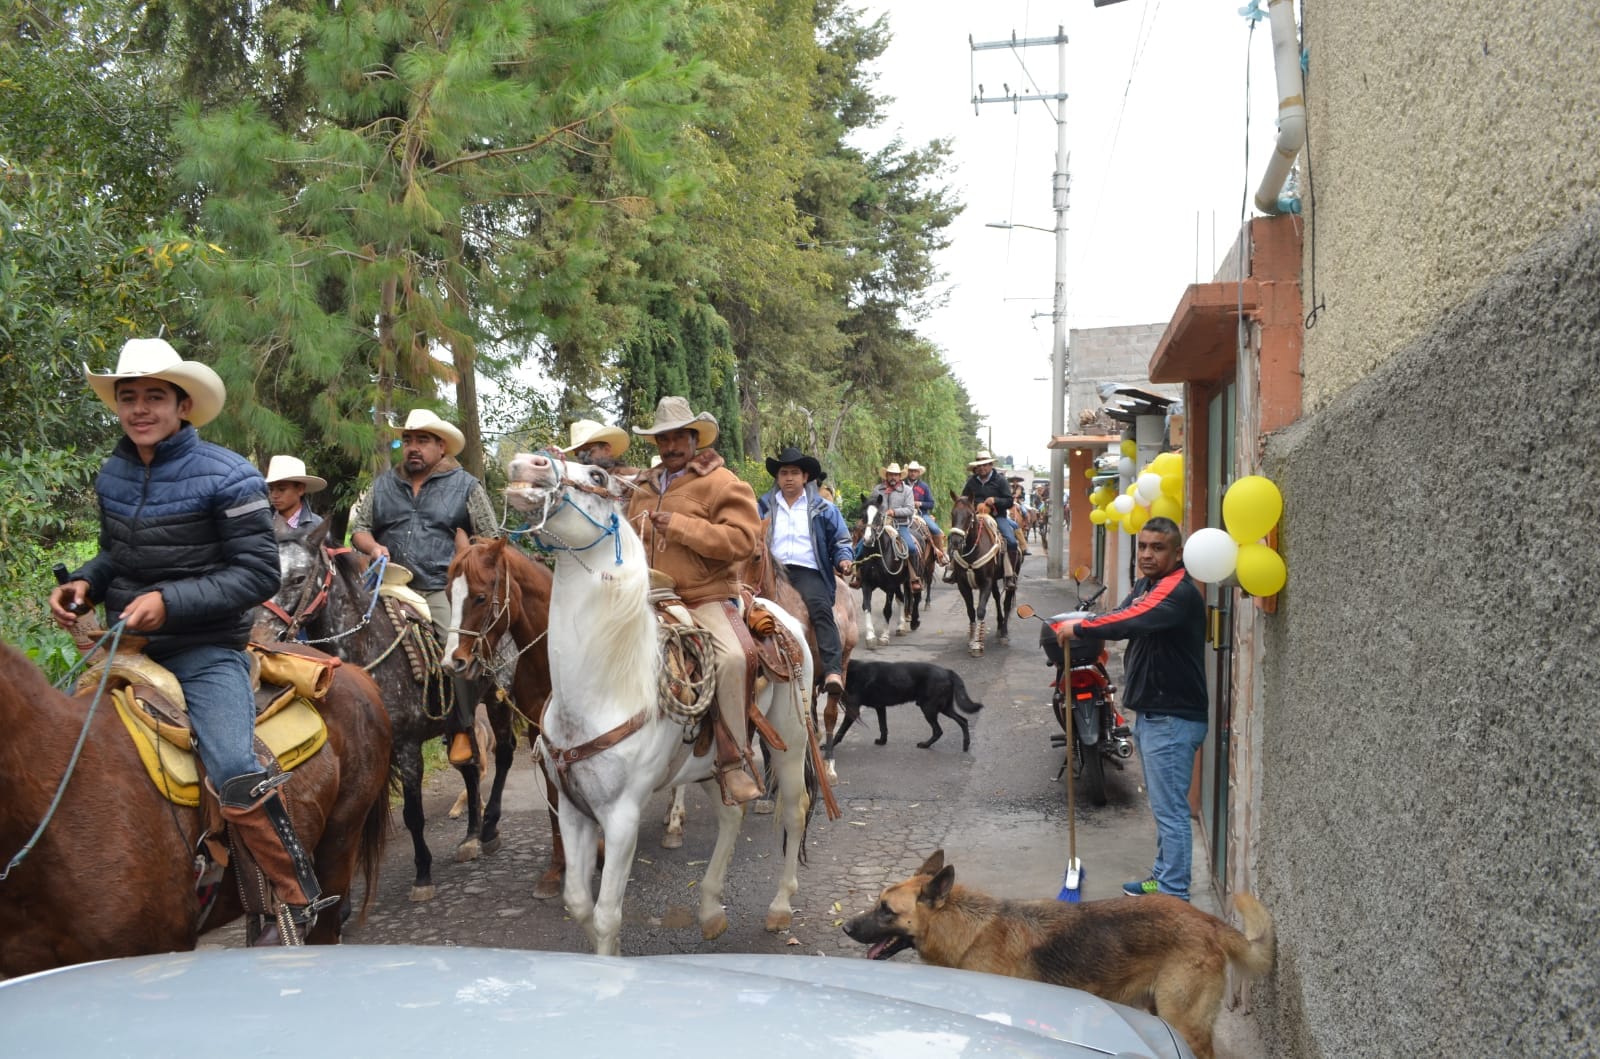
(977, 559)
(324, 597)
(113, 872)
(496, 593)
(885, 564)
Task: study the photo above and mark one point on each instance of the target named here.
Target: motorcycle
(1082, 689)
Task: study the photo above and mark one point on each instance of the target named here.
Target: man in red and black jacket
(1164, 682)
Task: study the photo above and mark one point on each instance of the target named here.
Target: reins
(608, 528)
(114, 634)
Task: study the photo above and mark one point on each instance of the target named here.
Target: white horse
(606, 741)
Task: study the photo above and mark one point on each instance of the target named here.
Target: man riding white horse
(894, 497)
(700, 526)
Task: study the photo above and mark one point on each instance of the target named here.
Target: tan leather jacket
(715, 527)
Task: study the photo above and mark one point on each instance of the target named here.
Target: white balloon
(1210, 554)
(1148, 488)
(1124, 504)
(1125, 467)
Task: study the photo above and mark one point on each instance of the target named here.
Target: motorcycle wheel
(1093, 771)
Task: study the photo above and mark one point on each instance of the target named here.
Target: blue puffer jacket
(196, 525)
(830, 537)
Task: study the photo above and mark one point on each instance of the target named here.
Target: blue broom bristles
(1072, 882)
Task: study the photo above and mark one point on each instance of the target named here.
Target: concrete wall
(1446, 139)
(1430, 833)
(1110, 354)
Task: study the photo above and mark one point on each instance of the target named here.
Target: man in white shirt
(807, 536)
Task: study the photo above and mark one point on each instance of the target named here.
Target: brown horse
(977, 559)
(113, 871)
(497, 592)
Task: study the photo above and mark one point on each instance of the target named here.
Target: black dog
(933, 688)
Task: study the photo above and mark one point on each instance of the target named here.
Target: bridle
(962, 554)
(893, 559)
(553, 500)
(483, 653)
(313, 599)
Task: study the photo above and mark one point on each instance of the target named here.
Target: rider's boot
(259, 818)
(1013, 561)
(738, 785)
(466, 705)
(940, 556)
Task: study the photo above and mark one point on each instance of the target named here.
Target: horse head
(303, 573)
(483, 602)
(570, 506)
(872, 522)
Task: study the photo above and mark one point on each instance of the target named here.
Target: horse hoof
(777, 921)
(1002, 640)
(468, 850)
(761, 807)
(715, 927)
(492, 846)
(672, 840)
(874, 644)
(880, 742)
(420, 894)
(975, 650)
(833, 773)
(548, 886)
(901, 632)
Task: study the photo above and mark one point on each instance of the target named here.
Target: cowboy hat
(292, 469)
(915, 466)
(893, 468)
(793, 457)
(673, 413)
(154, 358)
(425, 421)
(587, 432)
(983, 458)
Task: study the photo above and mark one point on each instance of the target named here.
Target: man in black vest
(411, 515)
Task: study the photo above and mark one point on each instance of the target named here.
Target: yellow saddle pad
(290, 726)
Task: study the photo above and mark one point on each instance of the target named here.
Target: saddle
(150, 703)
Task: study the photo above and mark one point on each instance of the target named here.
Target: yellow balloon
(1098, 516)
(1129, 448)
(1172, 485)
(1166, 507)
(1250, 508)
(1261, 571)
(1162, 464)
(1089, 473)
(1136, 519)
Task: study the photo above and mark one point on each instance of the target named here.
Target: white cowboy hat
(425, 421)
(154, 358)
(673, 413)
(893, 468)
(293, 469)
(915, 466)
(587, 432)
(983, 458)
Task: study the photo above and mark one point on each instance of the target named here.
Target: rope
(694, 643)
(114, 634)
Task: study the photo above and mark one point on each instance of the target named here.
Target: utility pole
(1058, 355)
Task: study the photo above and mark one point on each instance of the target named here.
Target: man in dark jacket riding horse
(186, 552)
(986, 483)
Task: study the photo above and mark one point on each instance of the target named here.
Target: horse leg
(713, 917)
(672, 838)
(505, 752)
(1002, 611)
(549, 884)
(790, 772)
(472, 845)
(621, 832)
(914, 602)
(584, 837)
(830, 717)
(409, 759)
(868, 633)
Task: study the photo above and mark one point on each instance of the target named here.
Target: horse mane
(625, 632)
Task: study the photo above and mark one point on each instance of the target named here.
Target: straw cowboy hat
(425, 421)
(893, 468)
(793, 457)
(587, 432)
(673, 413)
(983, 458)
(154, 358)
(292, 469)
(915, 466)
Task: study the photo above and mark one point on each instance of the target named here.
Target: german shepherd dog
(934, 689)
(1154, 952)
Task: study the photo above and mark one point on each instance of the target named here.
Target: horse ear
(463, 542)
(953, 496)
(318, 534)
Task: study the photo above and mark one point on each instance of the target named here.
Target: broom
(1072, 881)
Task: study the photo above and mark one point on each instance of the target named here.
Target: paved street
(998, 812)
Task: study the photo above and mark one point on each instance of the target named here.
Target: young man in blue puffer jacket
(186, 553)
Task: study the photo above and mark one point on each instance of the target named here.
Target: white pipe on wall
(1291, 110)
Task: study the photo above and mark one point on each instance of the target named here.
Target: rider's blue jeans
(932, 525)
(222, 711)
(1008, 529)
(1167, 746)
(905, 535)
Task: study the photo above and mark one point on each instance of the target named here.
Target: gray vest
(420, 530)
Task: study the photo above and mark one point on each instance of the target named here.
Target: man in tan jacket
(700, 525)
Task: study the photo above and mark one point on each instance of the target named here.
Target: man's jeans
(1167, 746)
(222, 709)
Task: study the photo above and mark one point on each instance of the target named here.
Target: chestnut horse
(324, 596)
(977, 559)
(113, 871)
(500, 597)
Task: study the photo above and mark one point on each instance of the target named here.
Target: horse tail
(374, 836)
(962, 699)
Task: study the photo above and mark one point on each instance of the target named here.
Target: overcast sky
(1149, 156)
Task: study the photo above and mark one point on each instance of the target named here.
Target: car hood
(427, 1001)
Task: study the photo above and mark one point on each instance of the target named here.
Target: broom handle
(1072, 722)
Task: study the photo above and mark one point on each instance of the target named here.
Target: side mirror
(1080, 572)
(1025, 611)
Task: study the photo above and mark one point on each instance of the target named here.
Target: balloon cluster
(1250, 508)
(1155, 492)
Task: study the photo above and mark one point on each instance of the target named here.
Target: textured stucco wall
(1431, 731)
(1446, 138)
